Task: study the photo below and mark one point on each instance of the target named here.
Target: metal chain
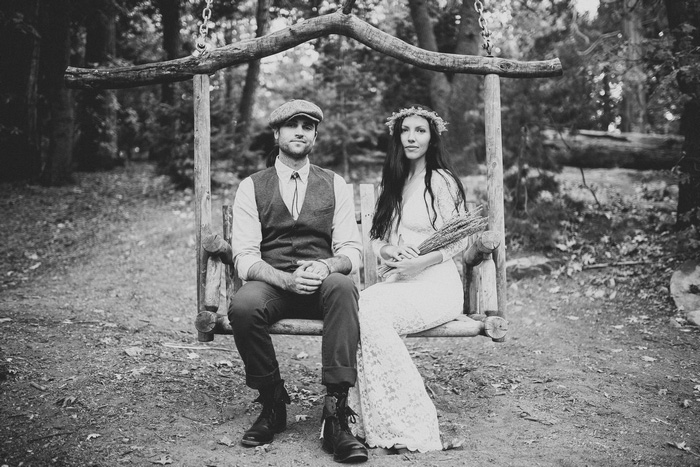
(202, 46)
(485, 32)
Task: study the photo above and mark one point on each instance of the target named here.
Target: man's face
(296, 137)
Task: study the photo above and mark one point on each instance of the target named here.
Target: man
(295, 243)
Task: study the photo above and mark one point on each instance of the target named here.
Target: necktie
(295, 198)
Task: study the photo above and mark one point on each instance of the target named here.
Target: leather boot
(272, 419)
(337, 438)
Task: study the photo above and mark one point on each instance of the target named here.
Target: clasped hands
(402, 259)
(308, 277)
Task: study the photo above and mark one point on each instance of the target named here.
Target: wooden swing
(483, 261)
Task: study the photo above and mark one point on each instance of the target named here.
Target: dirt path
(95, 367)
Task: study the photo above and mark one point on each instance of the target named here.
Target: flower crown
(440, 124)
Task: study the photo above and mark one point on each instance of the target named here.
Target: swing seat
(480, 318)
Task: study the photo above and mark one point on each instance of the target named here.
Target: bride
(419, 192)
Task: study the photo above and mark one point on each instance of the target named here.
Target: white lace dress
(389, 397)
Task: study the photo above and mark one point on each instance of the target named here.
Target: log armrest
(485, 244)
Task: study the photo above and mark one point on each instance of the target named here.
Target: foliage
(358, 87)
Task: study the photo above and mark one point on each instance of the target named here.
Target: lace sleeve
(377, 245)
(446, 199)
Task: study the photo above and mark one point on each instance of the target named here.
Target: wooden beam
(493, 326)
(350, 26)
(494, 182)
(212, 289)
(367, 212)
(202, 185)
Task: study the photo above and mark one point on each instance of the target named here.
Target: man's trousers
(257, 305)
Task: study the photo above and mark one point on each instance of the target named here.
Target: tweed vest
(285, 240)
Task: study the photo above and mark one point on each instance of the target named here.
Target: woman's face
(415, 136)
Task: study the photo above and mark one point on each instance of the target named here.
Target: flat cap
(293, 108)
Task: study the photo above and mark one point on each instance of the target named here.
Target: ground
(100, 364)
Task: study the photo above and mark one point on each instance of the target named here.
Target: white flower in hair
(440, 124)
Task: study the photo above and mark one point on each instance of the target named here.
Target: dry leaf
(93, 436)
(648, 359)
(686, 403)
(301, 418)
(133, 351)
(454, 443)
(682, 446)
(226, 441)
(163, 460)
(66, 401)
(262, 449)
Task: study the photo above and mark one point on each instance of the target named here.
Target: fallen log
(600, 149)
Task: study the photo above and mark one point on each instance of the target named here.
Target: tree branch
(185, 68)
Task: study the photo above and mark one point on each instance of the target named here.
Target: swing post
(202, 186)
(494, 182)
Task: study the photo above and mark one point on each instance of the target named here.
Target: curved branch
(185, 68)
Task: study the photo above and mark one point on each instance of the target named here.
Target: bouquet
(457, 228)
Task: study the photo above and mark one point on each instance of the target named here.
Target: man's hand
(307, 279)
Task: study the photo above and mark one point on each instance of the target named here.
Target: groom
(295, 242)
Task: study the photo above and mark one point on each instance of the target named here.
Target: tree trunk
(55, 22)
(464, 94)
(20, 45)
(634, 79)
(163, 149)
(682, 16)
(245, 108)
(96, 148)
(452, 100)
(170, 14)
(688, 211)
(440, 89)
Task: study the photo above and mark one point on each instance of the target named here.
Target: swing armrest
(215, 245)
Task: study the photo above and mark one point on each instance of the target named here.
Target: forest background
(630, 66)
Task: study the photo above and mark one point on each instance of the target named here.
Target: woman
(419, 192)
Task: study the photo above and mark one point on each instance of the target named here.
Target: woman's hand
(397, 253)
(407, 266)
(410, 266)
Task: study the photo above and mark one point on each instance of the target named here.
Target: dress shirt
(247, 230)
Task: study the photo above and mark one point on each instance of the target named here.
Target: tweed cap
(293, 108)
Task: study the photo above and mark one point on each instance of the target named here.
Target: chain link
(485, 32)
(202, 45)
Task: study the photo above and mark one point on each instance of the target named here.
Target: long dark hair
(395, 172)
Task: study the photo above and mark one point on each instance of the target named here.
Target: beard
(295, 151)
